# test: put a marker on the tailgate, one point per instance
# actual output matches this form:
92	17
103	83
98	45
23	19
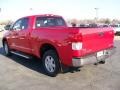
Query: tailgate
96	39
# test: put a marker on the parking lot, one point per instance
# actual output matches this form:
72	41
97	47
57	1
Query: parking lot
17	73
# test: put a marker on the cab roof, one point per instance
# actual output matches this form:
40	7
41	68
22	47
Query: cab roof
43	15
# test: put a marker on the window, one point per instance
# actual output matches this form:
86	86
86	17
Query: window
49	21
21	24
24	24
17	25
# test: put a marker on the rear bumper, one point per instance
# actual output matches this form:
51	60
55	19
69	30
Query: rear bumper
91	59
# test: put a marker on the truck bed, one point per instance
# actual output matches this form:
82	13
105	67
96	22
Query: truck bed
94	39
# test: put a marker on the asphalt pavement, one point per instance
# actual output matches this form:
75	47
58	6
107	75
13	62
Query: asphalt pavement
17	73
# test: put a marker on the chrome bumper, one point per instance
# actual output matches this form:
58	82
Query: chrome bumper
91	59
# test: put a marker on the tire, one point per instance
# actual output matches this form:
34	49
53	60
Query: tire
51	63
6	49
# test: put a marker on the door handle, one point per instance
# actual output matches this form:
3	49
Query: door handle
22	36
16	34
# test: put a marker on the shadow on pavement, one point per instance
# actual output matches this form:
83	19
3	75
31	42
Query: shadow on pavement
34	64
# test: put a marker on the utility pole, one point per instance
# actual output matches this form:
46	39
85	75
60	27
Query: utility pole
96	11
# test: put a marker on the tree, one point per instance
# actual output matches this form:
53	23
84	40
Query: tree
107	21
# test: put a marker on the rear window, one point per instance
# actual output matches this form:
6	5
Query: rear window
49	21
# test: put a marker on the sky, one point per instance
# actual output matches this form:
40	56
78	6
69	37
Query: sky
79	9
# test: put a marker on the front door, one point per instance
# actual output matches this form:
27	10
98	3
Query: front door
20	35
24	36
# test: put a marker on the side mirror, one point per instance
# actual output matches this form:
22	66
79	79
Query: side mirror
7	27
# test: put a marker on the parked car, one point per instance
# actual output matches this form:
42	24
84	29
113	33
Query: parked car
116	29
7	27
84	25
48	38
93	25
1	28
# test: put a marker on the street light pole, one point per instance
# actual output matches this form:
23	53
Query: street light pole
96	11
30	11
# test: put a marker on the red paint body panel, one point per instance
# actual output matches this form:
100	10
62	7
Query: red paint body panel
61	37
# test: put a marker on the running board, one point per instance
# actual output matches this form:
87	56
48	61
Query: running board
19	54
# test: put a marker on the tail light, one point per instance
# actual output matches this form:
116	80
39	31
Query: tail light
77	45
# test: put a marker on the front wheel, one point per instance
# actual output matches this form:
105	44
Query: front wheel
6	49
51	63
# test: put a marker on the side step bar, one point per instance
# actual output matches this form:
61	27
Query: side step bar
19	54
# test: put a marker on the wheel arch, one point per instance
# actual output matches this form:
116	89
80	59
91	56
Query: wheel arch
45	47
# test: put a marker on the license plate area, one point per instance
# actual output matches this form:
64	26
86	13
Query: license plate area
100	53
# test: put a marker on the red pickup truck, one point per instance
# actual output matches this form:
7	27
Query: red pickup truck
48	38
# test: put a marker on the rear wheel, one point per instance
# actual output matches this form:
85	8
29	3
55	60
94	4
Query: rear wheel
6	49
51	63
